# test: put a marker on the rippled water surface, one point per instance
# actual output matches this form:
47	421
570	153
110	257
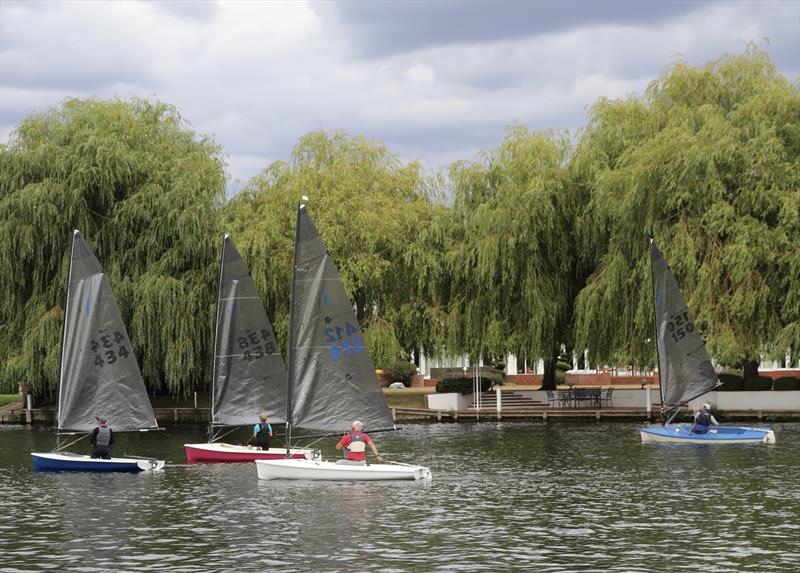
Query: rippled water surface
509	496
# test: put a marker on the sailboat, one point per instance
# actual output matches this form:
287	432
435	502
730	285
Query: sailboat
331	378
99	374
684	369
248	372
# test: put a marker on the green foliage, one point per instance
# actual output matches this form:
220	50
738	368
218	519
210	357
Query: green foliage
401	372
758	383
9	399
564	366
786	383
143	188
731	381
709	159
368	207
509	261
462	385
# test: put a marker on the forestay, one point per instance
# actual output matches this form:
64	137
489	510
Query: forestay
332	374
99	373
685	370
249	373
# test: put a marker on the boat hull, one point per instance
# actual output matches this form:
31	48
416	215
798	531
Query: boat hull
679	433
53	462
218	452
331	471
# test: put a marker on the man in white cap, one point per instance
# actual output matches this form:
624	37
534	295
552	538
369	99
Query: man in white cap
703	419
356	443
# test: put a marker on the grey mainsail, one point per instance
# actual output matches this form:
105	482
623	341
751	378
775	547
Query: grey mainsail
99	373
249	374
331	372
685	370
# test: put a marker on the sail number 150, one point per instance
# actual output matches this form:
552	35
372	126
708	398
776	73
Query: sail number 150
680	325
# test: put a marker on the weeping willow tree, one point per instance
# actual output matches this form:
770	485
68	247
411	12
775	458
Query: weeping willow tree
512	263
145	191
368	207
709	159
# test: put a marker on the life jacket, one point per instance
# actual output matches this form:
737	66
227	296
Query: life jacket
263	430
103	438
357	442
703	418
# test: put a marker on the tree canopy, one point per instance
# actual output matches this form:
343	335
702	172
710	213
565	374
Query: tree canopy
537	244
709	160
368	207
144	189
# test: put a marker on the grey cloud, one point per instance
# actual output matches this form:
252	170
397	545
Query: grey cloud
378	29
193	10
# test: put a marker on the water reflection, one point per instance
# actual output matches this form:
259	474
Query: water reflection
505	496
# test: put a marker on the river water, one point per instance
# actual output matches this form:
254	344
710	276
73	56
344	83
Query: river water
506	496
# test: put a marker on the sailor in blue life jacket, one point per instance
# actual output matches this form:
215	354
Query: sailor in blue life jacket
102	437
703	419
262	432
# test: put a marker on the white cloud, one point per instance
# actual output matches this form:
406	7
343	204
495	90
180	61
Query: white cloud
259	75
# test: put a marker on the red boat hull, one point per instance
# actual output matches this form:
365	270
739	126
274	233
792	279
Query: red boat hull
226	453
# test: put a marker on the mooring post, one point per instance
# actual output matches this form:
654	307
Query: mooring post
499	403
28	413
438	415
174	414
394	414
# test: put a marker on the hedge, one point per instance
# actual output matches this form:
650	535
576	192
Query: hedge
786	383
758	383
401	372
561	365
463	385
731	381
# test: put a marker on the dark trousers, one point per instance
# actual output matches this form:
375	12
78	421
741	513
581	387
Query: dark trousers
103	452
262	443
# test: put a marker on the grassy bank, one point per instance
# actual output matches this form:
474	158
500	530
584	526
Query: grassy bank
407	397
9	398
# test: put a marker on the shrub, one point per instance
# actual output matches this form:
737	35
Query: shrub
758	383
401	372
461	385
731	381
786	383
563	366
559	377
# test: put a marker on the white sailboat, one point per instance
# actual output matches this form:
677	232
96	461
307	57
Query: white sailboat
99	373
331	378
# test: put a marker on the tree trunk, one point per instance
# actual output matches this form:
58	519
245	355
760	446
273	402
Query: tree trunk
549	379
749	369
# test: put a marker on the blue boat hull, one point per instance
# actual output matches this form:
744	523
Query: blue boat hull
680	433
76	463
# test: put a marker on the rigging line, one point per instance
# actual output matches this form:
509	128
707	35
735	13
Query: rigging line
59	448
219	436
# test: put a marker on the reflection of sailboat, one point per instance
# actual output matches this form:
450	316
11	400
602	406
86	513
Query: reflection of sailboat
684	368
248	374
99	374
331	376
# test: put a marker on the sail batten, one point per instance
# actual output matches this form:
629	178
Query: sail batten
99	374
334	380
249	373
685	369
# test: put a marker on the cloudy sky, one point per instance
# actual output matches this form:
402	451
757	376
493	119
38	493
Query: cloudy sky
435	81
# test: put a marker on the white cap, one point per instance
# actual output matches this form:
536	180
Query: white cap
706	406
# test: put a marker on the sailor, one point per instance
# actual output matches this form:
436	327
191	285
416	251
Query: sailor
102	437
356	443
262	432
703	419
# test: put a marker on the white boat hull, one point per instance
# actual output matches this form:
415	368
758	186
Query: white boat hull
330	471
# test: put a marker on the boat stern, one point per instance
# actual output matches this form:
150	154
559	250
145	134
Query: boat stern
150	465
769	437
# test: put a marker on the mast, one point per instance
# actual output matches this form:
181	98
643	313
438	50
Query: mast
216	332
64	330
290	347
655	328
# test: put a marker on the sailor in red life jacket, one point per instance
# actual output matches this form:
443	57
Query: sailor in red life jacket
356	443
